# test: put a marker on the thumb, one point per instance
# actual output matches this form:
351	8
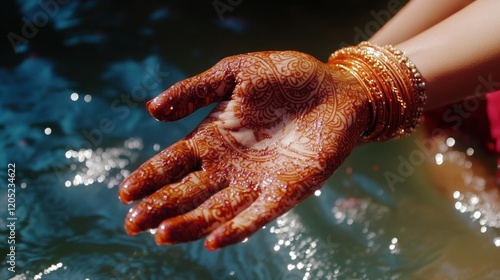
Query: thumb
188	95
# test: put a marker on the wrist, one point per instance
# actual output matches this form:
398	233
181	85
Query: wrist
392	84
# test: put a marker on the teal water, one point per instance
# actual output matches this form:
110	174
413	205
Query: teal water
73	122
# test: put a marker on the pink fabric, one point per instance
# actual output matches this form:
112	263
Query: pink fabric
493	110
473	125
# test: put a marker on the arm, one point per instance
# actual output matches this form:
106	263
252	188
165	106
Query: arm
458	51
416	17
430	38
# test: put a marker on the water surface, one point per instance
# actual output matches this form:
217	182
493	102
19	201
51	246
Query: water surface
73	122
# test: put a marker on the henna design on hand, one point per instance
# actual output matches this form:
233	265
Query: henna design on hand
284	123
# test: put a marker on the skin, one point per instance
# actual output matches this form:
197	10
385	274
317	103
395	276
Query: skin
284	123
453	54
416	17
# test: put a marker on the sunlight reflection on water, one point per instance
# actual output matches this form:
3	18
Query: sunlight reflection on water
102	165
90	63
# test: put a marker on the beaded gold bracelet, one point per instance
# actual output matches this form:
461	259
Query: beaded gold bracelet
395	88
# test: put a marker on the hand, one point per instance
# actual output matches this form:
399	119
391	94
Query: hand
284	123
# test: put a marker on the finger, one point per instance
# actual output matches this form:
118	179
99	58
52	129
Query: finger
172	200
272	203
167	166
195	224
188	95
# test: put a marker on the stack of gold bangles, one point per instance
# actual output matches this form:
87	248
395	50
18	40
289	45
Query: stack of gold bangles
395	88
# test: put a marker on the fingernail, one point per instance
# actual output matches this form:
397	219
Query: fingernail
162	236
133	224
123	194
211	244
153	108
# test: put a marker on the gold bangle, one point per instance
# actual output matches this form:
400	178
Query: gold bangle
395	88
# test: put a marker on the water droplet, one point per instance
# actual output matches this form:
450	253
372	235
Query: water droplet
74	96
496	241
477	215
439	159
450	142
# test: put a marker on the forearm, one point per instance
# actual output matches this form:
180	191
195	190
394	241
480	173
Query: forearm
460	56
416	17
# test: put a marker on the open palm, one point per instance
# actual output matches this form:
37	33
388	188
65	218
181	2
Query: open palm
284	123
